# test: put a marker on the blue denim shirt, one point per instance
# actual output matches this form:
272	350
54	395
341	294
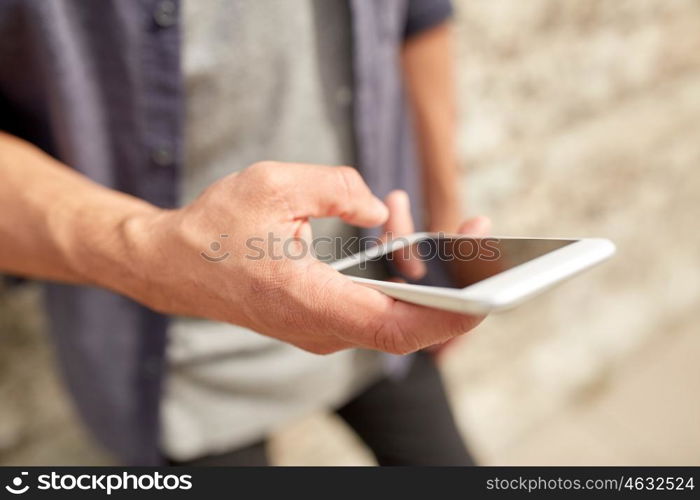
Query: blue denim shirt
98	85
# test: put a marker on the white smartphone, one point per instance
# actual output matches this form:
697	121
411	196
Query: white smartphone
471	275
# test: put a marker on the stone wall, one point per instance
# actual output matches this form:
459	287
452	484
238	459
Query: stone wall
578	118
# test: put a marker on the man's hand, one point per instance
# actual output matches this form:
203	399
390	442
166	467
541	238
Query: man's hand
279	289
429	73
57	224
398	224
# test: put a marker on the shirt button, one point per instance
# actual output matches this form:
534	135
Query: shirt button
163	157
165	14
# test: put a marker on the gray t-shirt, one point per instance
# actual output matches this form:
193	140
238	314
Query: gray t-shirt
265	80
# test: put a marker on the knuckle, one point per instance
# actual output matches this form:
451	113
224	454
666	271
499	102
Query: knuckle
349	185
383	338
324	345
313	348
262	166
351	174
389	337
265	175
323	350
469	323
403	349
350	180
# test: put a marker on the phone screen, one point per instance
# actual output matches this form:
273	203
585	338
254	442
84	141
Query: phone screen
452	262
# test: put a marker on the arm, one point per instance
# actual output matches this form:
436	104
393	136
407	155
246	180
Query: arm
57	224
428	64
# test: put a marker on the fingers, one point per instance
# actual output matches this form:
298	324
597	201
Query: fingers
416	327
325	345
400	223
476	226
365	317
319	191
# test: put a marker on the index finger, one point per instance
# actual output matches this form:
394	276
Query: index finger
324	191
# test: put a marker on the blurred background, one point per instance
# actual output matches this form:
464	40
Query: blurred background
578	118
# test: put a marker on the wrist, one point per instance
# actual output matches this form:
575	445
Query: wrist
106	248
158	258
135	260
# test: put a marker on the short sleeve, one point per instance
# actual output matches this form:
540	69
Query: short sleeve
425	14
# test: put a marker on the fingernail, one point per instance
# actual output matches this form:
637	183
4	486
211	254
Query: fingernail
403	197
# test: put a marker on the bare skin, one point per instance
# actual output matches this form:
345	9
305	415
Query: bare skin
428	67
429	73
56	224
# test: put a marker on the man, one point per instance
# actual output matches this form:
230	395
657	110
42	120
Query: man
149	102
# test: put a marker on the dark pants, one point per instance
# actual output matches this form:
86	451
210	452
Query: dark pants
404	422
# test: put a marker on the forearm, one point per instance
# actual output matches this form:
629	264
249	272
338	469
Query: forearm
57	224
428	64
